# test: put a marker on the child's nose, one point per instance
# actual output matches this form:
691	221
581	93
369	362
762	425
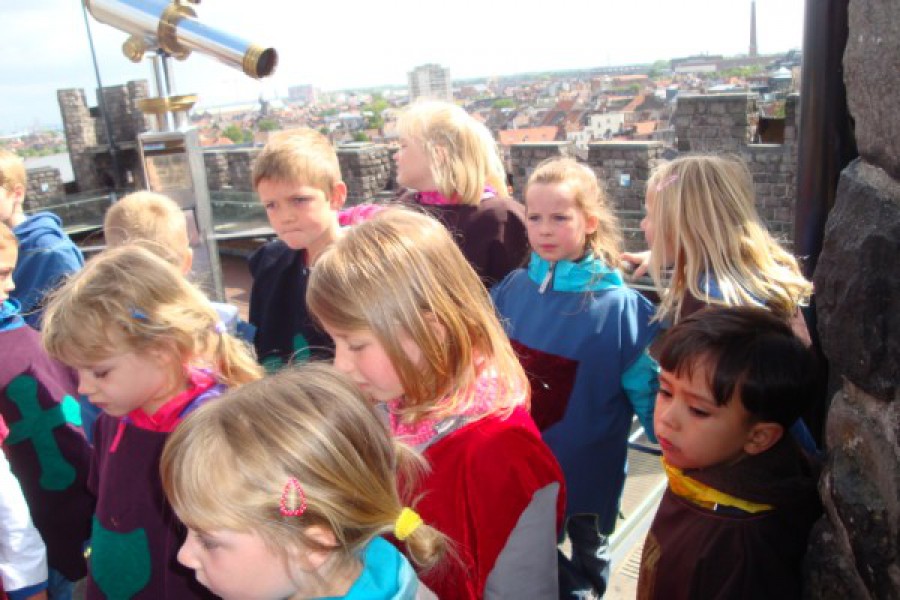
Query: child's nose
666	415
186	554
84	385
342	362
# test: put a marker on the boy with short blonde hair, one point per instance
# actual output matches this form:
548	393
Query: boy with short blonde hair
298	179
742	497
157	223
46	254
150	217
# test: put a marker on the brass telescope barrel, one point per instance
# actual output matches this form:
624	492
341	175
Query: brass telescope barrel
174	28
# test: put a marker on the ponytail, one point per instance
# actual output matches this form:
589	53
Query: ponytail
234	362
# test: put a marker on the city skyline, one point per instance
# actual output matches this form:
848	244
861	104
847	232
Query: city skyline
362	47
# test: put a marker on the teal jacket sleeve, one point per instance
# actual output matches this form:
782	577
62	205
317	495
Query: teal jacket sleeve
641	382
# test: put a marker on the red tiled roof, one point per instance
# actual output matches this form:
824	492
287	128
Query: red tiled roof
644	127
632	106
531	134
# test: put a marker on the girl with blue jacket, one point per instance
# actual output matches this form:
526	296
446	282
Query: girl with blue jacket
582	337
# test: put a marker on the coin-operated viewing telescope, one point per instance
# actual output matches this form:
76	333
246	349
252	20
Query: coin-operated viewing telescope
171	156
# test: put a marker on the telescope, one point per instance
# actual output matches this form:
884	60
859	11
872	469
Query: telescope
171	156
173	28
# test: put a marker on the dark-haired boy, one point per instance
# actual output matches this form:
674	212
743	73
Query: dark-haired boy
742	498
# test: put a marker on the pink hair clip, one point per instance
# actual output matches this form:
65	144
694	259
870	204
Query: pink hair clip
664	184
293	494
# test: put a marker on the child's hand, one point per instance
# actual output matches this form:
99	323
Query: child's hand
41	595
640	261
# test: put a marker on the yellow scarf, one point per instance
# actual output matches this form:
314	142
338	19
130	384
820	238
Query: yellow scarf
705	496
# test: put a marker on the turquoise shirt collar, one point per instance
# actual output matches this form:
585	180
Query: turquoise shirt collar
586	275
10	317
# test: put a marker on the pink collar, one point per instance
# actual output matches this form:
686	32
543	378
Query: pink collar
422	431
434	197
169	414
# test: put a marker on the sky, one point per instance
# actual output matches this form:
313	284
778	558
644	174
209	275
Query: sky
353	44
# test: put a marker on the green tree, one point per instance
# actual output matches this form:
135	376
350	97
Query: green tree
504	103
235	134
268	125
360	136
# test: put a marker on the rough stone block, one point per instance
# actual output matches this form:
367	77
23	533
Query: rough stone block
872	78
829	572
858	296
860	488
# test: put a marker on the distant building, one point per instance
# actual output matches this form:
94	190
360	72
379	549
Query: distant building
302	93
430	81
696	64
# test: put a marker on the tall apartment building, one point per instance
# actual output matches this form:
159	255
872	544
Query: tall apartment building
430	81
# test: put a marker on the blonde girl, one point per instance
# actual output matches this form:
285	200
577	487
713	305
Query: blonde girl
286	485
415	330
149	349
582	336
451	165
702	223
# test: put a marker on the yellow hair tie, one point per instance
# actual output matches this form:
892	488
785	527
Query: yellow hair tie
408	521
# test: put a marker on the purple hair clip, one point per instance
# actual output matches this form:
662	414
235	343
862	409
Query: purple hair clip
664	184
293	499
220	327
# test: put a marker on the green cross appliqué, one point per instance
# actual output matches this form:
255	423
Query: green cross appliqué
37	424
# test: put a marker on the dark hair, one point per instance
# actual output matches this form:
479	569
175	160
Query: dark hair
750	353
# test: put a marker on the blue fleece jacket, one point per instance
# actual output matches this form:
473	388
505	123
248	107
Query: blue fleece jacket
46	255
582	336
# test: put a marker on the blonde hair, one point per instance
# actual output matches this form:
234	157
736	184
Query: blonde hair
462	153
299	155
129	299
704	212
151	218
590	199
402	273
12	170
227	466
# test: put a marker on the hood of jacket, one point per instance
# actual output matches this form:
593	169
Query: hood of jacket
10	315
386	574
586	275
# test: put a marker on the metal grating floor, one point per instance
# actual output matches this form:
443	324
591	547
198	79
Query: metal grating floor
644	486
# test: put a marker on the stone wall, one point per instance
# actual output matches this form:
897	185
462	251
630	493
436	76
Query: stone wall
855	549
81	134
366	169
86	134
126	120
715	123
725	123
45	186
526	156
774	170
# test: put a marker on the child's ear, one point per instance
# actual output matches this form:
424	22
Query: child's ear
338	195
309	559
436	325
188	261
18	193
591	224
762	436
